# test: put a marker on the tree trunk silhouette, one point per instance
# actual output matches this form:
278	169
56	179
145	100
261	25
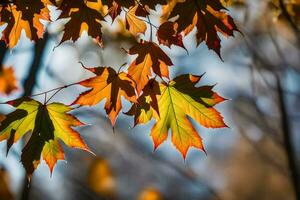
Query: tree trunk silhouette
28	85
288	140
3	50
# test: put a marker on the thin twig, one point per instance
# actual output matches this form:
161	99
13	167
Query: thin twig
288	141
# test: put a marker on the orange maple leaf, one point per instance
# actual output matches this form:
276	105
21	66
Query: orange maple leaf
23	15
2	117
84	15
8	81
133	23
109	85
209	19
129	3
122	3
150	56
147	104
168	35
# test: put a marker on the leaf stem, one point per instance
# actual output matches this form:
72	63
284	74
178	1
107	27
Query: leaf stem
58	89
121	67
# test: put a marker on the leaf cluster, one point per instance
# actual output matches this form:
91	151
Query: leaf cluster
172	103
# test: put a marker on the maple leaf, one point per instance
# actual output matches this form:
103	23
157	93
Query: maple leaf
129	3
233	2
138	10
167	9
84	15
109	85
114	11
114	6
133	23
150	56
144	109
209	19
179	101
101	179
141	11
150	193
23	15
167	34
8	82
122	3
152	4
2	117
48	124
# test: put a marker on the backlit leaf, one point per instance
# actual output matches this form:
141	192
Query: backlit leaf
101	179
150	58
179	101
150	193
209	19
128	3
109	85
133	23
23	15
8	82
2	117
48	125
147	104
122	3
152	4
168	35
84	15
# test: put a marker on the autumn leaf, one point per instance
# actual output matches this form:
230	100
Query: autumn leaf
179	102
48	125
115	7
2	117
129	3
168	35
8	81
84	15
233	2
150	193
292	8
5	182
109	85
147	104
209	19
167	9
122	3
133	23
101	179
150	56
152	4
23	15
114	11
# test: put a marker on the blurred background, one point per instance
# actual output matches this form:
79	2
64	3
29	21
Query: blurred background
256	158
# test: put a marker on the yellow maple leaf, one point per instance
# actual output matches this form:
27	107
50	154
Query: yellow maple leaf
133	23
179	101
48	124
8	82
